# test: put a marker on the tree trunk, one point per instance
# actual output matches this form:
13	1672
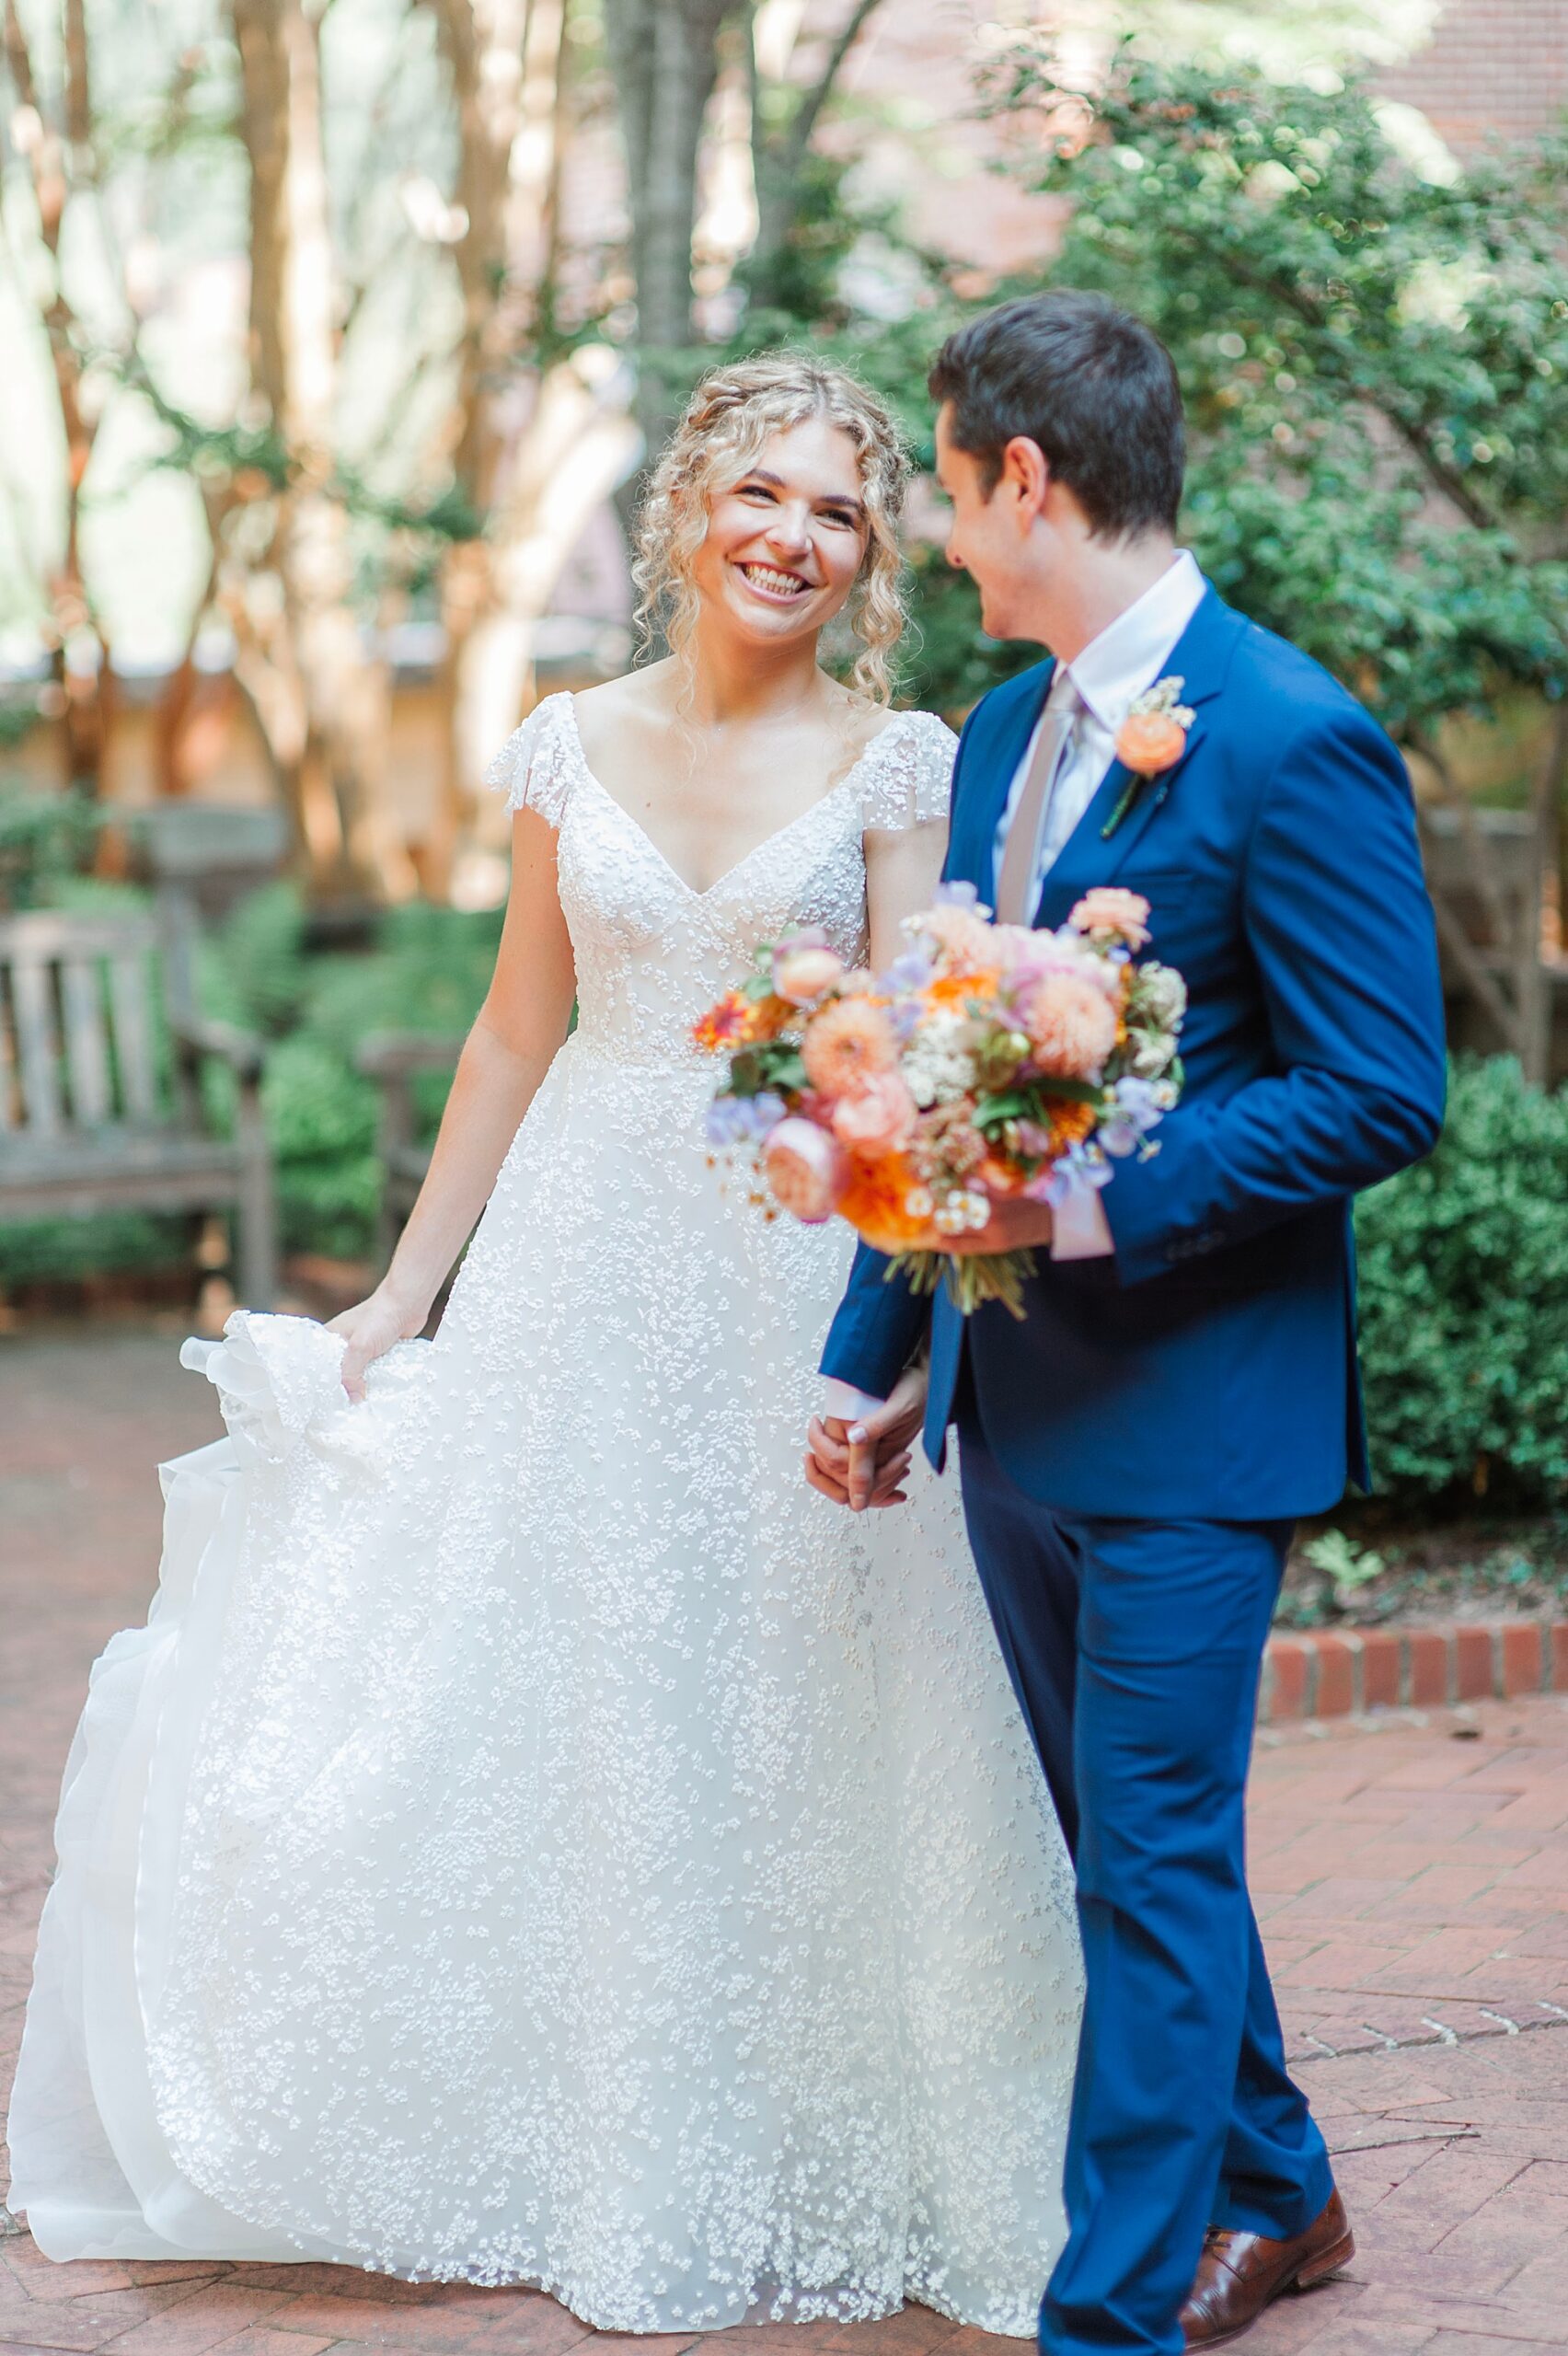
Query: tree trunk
776	161
575	449
321	701
537	484
85	686
665	56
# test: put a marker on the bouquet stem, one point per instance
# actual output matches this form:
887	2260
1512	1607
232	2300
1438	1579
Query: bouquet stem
971	1278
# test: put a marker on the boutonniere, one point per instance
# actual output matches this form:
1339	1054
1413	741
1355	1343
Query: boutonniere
1150	740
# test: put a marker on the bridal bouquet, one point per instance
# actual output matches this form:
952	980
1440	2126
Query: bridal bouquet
990	1061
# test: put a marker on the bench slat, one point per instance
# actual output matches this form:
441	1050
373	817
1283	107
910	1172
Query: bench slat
36	1044
133	1037
11	1081
42	934
87	1051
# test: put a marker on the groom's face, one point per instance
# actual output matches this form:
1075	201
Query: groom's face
993	533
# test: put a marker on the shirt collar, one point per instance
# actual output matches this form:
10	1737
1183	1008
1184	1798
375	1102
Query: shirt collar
1130	652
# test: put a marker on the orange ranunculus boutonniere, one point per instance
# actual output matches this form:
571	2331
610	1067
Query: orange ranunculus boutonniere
1150	740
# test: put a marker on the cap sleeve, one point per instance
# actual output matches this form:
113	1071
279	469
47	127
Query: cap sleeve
534	768
906	773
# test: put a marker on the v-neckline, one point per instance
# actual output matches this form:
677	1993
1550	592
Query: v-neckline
780	834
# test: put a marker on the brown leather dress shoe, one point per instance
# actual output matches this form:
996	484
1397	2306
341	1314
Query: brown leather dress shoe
1239	2274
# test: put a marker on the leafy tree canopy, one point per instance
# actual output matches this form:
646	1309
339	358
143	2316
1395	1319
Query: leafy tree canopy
1375	361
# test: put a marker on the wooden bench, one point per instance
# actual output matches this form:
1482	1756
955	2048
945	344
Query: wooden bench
86	1124
392	1059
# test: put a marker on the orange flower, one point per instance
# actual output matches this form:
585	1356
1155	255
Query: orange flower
1149	742
740	1022
874	1204
847	1041
1070	1124
728	1024
768	1017
957	989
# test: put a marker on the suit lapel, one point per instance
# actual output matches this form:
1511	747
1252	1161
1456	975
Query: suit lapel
994	761
1201	659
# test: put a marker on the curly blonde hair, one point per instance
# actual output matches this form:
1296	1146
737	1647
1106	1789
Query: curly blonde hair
727	421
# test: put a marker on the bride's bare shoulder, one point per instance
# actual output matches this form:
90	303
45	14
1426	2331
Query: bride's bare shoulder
621	709
867	720
640	694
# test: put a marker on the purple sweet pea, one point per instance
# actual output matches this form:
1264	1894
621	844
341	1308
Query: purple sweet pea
1081	1170
744	1120
721	1121
1135	1113
912	971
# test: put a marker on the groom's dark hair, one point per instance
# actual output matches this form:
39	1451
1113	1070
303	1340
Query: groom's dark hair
1092	385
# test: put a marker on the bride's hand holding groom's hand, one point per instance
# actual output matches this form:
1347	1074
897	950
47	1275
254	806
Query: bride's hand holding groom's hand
864	1463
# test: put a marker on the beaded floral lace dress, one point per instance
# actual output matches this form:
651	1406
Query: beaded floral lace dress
536	1839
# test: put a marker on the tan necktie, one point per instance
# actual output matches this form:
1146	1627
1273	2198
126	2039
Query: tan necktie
1017	887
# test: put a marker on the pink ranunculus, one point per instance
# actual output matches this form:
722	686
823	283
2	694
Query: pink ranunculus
878	1117
1110	910
803	974
962	936
1014	947
807	1168
845	1041
1072	1025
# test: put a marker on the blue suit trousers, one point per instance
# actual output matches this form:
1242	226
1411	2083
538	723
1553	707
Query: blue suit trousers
1134	1648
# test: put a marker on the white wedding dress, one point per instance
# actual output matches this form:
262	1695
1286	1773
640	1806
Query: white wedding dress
536	1839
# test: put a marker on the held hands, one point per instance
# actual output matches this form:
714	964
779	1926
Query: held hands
863	1465
370	1330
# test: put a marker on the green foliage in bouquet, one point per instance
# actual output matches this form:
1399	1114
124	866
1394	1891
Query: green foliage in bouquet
1464	1302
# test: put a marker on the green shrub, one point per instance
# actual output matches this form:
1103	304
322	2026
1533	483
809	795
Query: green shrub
43	839
1464	1301
428	972
253	967
59	1249
321	1120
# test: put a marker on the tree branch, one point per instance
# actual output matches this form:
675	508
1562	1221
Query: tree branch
18	60
1458	943
78	81
1483	868
804	122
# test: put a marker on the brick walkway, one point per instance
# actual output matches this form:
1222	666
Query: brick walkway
1412	1873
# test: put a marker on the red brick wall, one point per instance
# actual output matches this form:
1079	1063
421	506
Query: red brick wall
1491	67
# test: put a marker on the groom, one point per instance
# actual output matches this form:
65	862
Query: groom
1184	1385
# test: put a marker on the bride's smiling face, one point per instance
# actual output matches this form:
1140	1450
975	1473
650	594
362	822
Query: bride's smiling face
786	541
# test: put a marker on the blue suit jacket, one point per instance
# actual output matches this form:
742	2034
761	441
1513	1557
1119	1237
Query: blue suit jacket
1208	1368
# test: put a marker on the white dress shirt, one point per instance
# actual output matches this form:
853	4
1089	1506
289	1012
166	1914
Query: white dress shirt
1127	657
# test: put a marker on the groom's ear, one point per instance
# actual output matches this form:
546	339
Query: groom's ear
1025	479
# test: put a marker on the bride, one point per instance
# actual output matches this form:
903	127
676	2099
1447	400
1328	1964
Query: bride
534	1839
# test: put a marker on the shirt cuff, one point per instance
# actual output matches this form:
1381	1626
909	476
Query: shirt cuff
848	1404
1080	1230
